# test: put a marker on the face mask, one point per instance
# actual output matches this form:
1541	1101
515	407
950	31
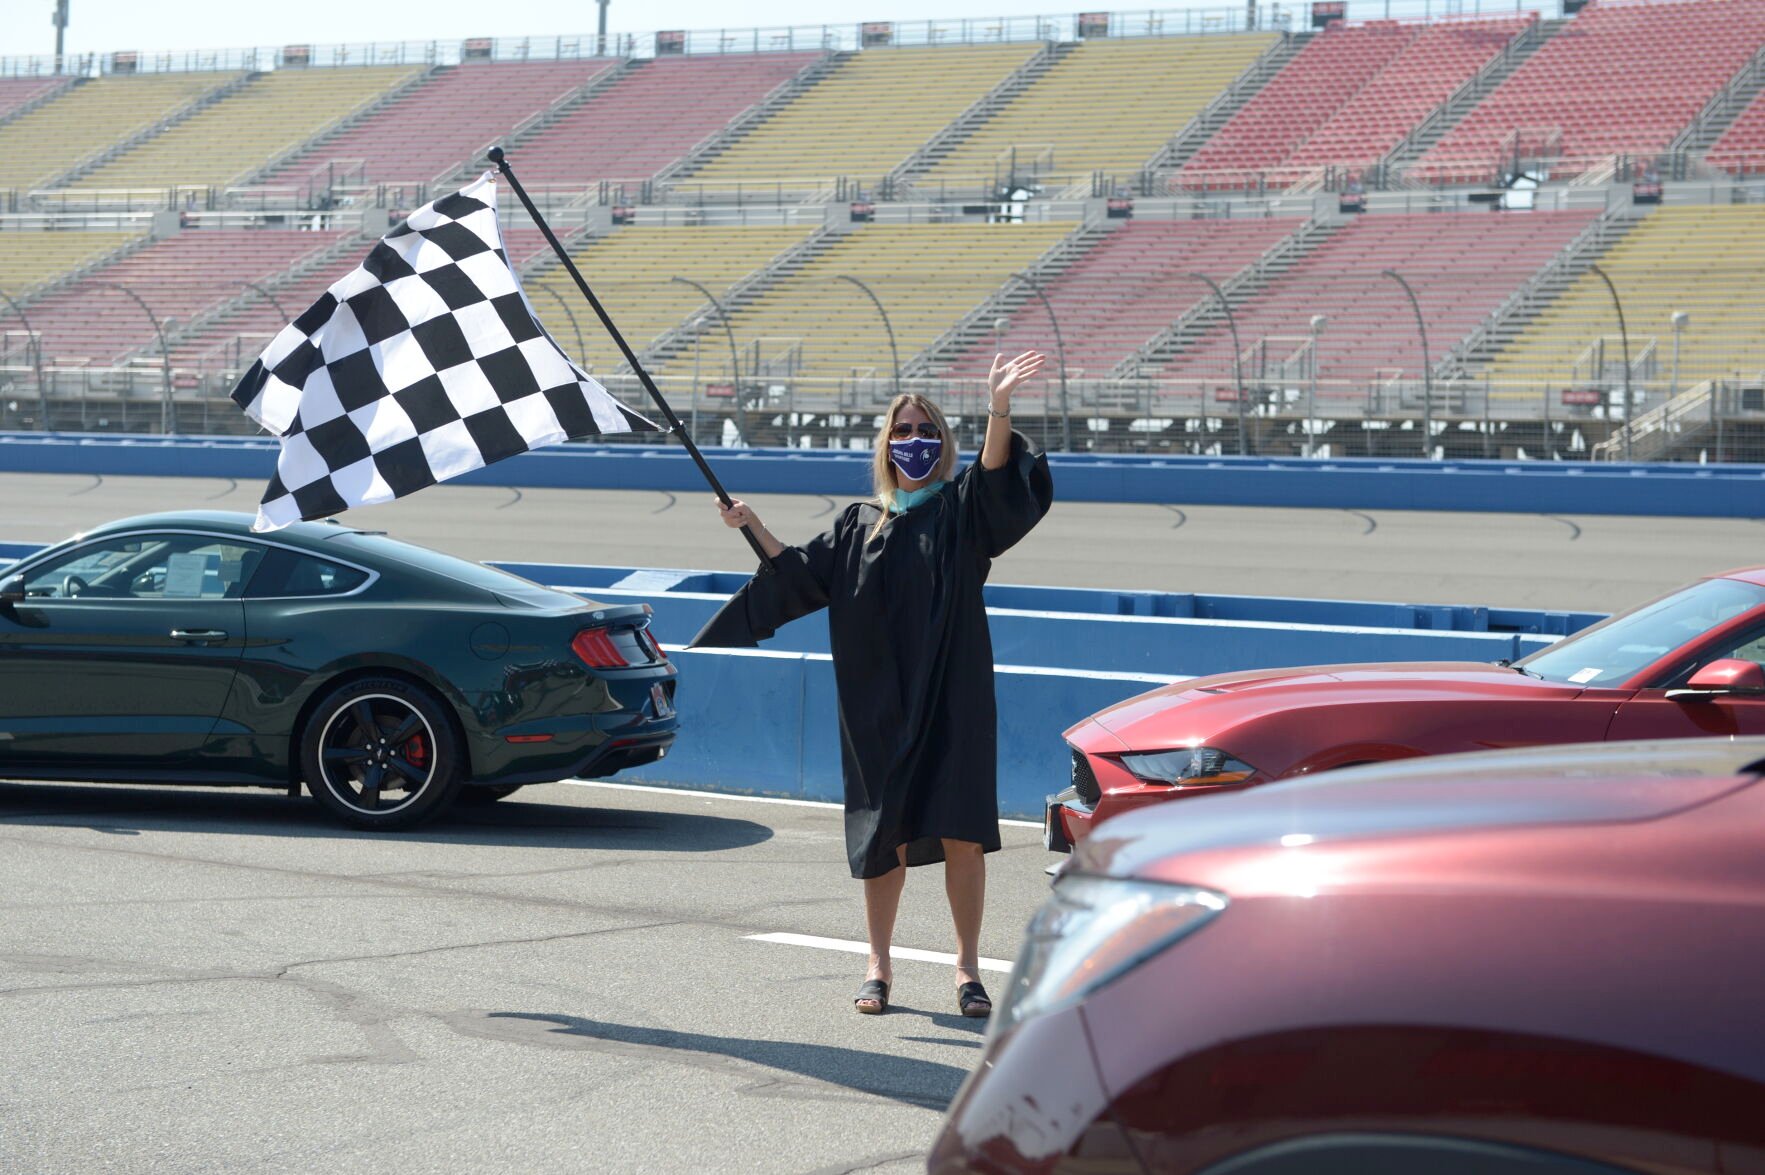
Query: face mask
916	458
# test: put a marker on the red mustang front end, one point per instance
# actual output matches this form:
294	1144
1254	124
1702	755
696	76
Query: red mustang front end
1690	663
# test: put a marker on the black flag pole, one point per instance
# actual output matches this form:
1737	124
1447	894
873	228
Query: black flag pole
674	426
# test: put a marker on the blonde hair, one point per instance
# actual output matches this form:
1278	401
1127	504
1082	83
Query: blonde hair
882	471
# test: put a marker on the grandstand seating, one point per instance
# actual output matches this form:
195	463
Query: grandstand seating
926	276
1461	267
273	113
1619	78
1105	106
1740	150
28	259
16	92
629	270
178	277
92	116
866	116
1129	287
231	341
456	112
653	116
1706	261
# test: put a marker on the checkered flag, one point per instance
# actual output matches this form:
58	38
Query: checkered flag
424	363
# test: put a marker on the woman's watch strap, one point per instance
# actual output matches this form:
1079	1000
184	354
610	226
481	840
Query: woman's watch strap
990	411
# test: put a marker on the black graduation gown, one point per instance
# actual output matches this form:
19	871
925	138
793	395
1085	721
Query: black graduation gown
911	653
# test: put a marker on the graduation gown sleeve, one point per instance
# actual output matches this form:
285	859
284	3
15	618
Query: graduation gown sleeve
795	586
1003	505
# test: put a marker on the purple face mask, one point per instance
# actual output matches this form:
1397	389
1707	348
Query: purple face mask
916	458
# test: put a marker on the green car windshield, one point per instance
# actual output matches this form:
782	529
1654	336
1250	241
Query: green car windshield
1614	650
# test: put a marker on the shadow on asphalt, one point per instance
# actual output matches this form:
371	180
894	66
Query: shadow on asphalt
124	810
901	1079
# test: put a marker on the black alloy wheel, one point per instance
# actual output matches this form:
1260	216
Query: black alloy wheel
380	753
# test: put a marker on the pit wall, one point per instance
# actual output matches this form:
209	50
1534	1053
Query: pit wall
1698	491
764	721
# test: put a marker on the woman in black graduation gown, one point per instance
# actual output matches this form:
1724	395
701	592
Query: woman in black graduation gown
901	578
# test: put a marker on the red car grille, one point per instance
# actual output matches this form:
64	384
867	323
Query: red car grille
1084	780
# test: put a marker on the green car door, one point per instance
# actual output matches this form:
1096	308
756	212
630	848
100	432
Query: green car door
123	647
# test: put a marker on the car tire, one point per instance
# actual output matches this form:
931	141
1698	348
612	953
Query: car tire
488	793
381	735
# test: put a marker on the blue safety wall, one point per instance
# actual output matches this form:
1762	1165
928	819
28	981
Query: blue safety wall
1712	491
763	721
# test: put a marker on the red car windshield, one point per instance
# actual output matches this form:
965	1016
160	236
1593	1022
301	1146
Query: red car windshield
1615	649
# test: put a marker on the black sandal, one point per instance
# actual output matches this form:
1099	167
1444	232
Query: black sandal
872	989
973	1001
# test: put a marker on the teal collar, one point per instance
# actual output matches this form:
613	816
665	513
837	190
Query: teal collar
902	501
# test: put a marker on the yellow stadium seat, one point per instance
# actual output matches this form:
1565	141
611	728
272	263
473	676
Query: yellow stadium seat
91	116
28	259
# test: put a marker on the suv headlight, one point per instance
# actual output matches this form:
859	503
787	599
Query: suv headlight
1189	767
1092	930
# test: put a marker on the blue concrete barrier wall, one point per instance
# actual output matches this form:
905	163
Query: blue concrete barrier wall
1712	491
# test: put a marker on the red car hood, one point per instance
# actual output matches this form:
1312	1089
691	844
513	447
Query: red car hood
1203	706
1247	840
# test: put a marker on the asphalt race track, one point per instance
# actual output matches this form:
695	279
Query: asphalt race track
1599	563
198	980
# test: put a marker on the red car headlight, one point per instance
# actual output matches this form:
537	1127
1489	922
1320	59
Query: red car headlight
1189	767
1092	930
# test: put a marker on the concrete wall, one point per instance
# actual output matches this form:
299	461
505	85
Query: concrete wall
1710	491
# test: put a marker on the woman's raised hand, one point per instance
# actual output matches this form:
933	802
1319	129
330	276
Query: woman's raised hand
737	514
1008	375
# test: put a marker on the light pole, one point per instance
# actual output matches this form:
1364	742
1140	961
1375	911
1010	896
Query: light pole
1318	323
33	347
894	353
1680	321
1427	366
1237	348
735	355
1624	338
1059	355
165	353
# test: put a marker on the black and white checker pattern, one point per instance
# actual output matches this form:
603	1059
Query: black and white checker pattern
425	362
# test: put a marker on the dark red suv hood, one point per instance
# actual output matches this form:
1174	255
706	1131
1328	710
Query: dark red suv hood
1212	840
1181	713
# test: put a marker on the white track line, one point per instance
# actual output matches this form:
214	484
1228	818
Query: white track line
717	795
859	948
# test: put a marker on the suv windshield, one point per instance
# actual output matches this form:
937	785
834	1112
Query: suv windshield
1614	650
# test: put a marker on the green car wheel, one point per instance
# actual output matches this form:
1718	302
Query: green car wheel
380	753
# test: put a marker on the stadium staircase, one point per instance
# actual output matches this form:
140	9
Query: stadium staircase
1675	429
1217	113
1462	101
1730	131
20	96
104	119
896	185
1470	355
712	146
1242	287
970	332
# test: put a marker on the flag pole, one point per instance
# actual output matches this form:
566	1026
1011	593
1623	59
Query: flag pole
497	157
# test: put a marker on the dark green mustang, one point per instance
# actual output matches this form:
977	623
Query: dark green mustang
390	679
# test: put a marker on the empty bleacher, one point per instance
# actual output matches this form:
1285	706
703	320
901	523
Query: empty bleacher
457	113
178	278
19	92
1708	262
28	259
273	113
91	117
1104	106
1132	285
630	269
865	117
653	116
926	276
1740	150
1619	78
1461	267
